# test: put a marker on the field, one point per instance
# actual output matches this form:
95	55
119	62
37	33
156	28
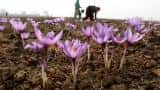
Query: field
20	69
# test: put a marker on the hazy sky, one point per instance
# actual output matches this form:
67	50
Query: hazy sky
148	9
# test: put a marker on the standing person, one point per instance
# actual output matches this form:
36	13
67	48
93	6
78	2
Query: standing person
91	13
77	10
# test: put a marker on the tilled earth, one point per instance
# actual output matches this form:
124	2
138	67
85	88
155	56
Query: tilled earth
19	68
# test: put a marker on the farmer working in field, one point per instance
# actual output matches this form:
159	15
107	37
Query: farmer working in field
91	13
77	10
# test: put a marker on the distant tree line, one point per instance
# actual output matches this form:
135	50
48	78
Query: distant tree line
4	12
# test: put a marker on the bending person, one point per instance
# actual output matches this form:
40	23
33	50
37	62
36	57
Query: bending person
91	13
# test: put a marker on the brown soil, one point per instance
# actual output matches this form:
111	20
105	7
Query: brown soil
19	69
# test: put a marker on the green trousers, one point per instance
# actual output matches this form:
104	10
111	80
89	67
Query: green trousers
77	13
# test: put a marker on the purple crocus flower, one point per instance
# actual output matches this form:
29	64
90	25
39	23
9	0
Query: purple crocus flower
71	26
3	20
58	20
134	21
49	39
24	35
139	27
102	33
88	31
142	29
50	34
132	37
35	46
15	19
35	24
2	28
60	44
119	39
74	49
18	26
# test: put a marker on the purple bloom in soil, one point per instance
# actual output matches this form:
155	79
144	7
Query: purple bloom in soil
3	20
35	24
18	26
88	30
49	39
24	35
2	28
119	39
132	37
50	34
102	33
74	49
15	19
71	26
142	29
134	21
35	46
57	20
60	44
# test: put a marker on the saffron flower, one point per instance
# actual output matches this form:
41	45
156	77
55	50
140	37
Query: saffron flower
74	49
49	39
133	37
138	25
46	41
58	20
24	35
3	20
35	46
143	29
71	26
119	38
18	26
88	31
134	21
2	28
35	24
102	34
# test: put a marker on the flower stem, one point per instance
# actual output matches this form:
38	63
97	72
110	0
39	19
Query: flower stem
110	60
89	55
123	57
22	40
106	56
74	73
44	67
75	66
23	43
44	76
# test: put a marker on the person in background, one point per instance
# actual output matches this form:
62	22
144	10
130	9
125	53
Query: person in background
77	10
91	13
